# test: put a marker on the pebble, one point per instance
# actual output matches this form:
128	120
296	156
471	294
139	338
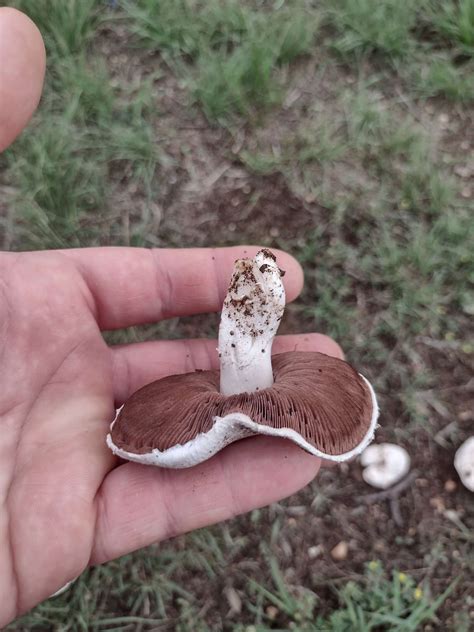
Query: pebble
437	503
443	120
463	171
233	597
272	612
340	551
450	486
315	551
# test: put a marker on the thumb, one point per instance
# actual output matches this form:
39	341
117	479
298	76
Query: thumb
22	68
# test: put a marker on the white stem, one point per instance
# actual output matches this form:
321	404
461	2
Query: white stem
250	318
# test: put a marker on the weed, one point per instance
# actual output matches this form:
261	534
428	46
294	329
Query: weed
237	83
187	27
235	51
371	26
377	602
86	134
453	21
56	184
441	77
67	27
85	82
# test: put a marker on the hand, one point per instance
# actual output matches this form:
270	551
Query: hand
66	501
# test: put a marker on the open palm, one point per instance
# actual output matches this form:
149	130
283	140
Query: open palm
66	502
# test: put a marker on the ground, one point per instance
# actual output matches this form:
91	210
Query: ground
341	131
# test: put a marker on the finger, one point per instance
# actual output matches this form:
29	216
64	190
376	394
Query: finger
130	286
162	503
135	365
22	68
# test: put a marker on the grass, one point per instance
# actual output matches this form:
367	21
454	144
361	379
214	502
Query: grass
346	105
453	22
57	187
67	27
376	600
443	78
229	54
366	27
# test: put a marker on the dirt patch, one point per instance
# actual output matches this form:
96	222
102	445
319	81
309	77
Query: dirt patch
233	206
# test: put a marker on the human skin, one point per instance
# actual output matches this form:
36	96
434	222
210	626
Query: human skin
66	501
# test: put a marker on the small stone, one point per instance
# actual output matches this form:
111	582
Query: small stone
443	119
286	548
466	415
438	503
340	551
452	515
272	612
296	510
463	171
466	192
315	551
450	486
422	482
233	597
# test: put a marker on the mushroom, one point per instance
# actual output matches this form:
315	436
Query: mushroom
384	464
319	402
464	463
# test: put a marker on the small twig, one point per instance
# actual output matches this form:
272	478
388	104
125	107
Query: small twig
441	435
439	345
392	493
396	513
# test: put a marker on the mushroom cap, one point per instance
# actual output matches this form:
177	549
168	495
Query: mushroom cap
319	402
464	463
384	464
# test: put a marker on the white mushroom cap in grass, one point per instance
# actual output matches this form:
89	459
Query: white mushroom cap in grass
464	463
384	464
319	402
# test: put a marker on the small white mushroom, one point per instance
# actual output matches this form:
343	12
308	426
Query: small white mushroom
464	463
384	464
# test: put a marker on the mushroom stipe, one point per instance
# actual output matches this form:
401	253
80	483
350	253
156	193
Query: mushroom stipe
319	402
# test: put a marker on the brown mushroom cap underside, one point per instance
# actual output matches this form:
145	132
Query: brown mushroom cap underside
322	398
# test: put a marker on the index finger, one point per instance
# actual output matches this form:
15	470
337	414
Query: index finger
132	286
